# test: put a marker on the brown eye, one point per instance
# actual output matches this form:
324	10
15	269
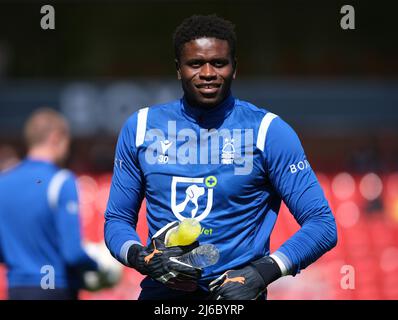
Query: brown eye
195	64
220	63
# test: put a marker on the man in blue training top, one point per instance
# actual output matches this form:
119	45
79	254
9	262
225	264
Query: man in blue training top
40	240
223	161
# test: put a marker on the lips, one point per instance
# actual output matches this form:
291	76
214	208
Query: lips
208	88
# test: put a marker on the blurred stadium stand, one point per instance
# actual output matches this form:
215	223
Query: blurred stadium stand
368	240
337	106
355	119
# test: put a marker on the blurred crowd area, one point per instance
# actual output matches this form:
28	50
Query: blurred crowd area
366	211
348	131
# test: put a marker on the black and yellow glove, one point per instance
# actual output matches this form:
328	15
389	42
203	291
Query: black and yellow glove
247	283
160	263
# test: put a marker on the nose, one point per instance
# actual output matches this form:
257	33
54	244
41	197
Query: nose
207	72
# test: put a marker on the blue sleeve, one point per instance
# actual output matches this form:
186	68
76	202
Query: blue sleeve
126	195
294	180
68	228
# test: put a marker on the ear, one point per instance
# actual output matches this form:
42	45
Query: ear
235	68
57	136
178	69
53	137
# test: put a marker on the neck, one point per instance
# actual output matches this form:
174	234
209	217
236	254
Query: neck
42	153
197	105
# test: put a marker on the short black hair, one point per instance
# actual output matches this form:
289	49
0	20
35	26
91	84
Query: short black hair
201	26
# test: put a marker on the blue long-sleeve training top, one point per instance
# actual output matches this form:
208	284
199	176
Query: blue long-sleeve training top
230	167
39	226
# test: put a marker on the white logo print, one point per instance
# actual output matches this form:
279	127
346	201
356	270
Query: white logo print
194	189
187	146
165	145
228	152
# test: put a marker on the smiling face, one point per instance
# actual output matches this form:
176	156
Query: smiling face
206	69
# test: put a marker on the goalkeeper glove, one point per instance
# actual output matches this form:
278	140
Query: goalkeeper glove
109	270
247	283
160	263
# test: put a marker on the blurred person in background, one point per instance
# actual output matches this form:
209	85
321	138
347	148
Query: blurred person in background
40	239
242	207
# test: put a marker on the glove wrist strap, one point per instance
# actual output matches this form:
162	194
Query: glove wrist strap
268	269
132	255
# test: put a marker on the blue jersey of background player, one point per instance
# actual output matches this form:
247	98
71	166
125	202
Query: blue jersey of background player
224	161
40	241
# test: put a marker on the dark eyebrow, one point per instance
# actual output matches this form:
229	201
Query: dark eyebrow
212	60
224	60
195	60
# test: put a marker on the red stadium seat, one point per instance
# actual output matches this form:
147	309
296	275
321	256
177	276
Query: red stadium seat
3	283
370	245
